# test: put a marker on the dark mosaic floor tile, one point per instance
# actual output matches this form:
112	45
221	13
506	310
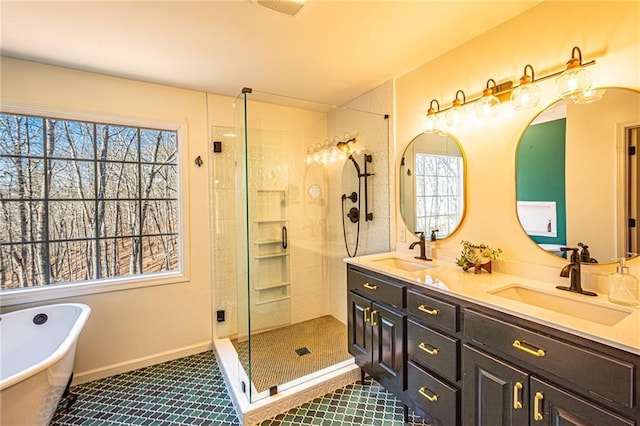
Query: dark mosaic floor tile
191	391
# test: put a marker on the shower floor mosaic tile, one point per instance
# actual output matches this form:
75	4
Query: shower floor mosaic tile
191	391
274	358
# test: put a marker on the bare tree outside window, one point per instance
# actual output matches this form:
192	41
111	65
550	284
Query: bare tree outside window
85	201
439	199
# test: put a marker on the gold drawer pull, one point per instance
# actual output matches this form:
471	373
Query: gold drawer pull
366	314
373	321
423	392
516	396
427	310
537	352
537	415
424	347
370	286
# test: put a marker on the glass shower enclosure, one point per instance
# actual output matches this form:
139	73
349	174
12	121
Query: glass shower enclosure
278	188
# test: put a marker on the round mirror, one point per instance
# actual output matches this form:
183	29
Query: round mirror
432	182
577	176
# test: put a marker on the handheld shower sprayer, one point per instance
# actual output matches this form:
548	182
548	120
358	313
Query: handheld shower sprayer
354	212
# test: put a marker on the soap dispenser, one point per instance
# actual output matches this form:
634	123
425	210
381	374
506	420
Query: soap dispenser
623	287
432	240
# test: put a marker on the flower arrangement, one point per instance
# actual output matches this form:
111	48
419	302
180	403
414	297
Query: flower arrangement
477	256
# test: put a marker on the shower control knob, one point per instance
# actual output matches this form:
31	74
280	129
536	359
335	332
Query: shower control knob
354	215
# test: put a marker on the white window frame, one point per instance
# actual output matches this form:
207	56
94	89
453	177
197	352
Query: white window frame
105	285
460	205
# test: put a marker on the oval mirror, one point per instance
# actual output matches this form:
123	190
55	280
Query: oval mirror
432	183
576	182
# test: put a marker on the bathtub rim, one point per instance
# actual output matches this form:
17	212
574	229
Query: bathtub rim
61	350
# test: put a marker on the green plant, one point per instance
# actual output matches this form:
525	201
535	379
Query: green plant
476	255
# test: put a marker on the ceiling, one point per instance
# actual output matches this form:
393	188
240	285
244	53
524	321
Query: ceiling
330	52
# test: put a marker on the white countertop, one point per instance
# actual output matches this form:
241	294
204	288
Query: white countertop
447	278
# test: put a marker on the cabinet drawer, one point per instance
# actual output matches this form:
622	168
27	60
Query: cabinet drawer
433	399
432	311
433	350
377	289
598	374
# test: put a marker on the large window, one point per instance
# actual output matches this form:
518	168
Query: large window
84	201
439	200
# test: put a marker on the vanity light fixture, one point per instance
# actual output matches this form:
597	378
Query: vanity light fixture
456	116
432	120
576	79
488	105
574	82
332	150
527	94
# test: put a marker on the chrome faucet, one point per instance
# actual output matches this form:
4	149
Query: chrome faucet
572	271
421	243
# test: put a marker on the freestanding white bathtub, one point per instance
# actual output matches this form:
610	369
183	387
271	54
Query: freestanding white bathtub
38	347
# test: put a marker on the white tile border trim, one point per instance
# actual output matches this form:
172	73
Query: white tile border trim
290	395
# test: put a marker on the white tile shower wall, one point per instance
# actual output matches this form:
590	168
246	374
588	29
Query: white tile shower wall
317	273
375	135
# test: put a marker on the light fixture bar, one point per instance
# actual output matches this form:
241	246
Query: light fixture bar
503	90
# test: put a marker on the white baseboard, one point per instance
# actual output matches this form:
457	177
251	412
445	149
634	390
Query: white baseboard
134	364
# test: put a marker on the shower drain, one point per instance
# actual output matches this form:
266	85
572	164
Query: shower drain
302	351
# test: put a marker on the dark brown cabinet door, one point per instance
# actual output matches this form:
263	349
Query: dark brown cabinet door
554	407
359	329
494	392
389	347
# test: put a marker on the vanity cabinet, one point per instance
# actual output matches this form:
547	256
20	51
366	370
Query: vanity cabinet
491	381
456	362
499	394
376	331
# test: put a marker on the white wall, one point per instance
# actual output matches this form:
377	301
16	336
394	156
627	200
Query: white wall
132	328
542	37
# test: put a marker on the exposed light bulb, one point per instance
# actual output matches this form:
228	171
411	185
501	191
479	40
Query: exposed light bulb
457	115
588	96
488	105
575	78
431	122
527	94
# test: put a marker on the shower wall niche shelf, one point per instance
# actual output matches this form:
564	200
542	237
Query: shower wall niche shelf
270	252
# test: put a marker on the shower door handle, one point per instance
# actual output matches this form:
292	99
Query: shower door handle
284	238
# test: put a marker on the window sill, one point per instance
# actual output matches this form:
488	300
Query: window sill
63	291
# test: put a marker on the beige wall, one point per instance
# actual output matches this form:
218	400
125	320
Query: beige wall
131	328
542	37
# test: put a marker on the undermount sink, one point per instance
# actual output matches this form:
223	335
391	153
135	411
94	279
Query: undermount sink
569	304
403	264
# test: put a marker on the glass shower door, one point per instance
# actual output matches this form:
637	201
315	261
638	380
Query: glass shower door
265	285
